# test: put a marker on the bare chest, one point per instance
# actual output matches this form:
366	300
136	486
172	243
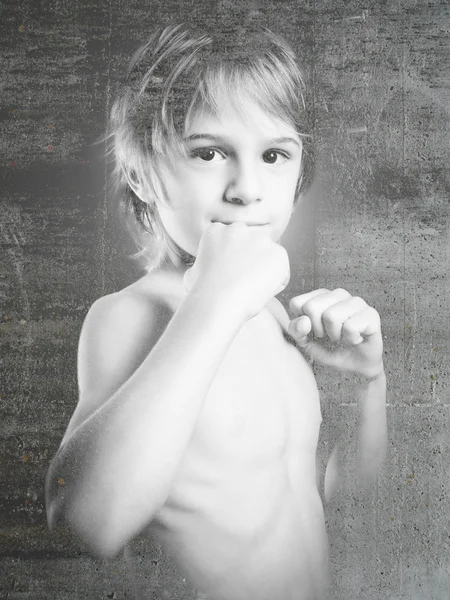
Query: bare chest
247	479
263	400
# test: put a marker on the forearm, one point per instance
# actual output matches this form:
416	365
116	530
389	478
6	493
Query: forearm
119	465
372	428
358	456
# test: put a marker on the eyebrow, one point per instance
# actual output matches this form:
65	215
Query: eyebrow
215	137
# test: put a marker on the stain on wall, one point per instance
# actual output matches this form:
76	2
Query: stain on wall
376	222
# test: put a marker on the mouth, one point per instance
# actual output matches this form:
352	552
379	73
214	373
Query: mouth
249	224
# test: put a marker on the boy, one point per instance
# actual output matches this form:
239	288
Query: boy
197	418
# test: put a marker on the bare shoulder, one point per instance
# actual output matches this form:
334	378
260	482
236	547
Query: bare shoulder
119	331
117	324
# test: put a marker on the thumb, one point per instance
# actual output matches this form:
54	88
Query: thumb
299	329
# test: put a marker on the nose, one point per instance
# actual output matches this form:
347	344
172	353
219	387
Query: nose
244	185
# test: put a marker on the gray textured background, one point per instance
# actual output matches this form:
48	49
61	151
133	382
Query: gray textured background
376	223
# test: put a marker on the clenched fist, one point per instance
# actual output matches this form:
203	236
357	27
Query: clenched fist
340	330
239	265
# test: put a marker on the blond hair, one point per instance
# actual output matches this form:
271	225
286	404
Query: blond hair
175	73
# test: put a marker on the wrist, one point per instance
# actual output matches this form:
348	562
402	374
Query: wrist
372	377
216	307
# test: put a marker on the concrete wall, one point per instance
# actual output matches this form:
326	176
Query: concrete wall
376	223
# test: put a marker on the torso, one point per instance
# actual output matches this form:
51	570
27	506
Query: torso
244	519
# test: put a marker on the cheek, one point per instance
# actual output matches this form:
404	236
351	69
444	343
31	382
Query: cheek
194	190
282	204
188	220
282	194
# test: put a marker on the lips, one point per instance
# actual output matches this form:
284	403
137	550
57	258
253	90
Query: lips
249	224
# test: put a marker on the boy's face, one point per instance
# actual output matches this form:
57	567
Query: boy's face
237	169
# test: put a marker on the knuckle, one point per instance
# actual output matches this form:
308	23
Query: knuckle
214	229
231	230
328	316
309	308
349	327
287	275
342	292
294	304
216	225
276	251
375	314
283	260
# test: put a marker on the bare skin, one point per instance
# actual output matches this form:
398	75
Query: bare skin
236	502
244	518
195	416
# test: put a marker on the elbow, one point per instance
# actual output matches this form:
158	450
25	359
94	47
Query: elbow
55	499
102	539
102	518
53	514
102	545
103	536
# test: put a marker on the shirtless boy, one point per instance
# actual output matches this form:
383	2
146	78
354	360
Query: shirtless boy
198	418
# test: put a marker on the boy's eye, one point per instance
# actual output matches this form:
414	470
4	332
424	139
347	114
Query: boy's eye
274	156
214	155
208	154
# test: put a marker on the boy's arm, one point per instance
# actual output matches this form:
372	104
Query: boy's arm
372	428
366	453
118	460
347	337
116	464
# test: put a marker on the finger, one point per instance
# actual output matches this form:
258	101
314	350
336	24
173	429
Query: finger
360	326
299	329
338	313
213	227
296	303
316	306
